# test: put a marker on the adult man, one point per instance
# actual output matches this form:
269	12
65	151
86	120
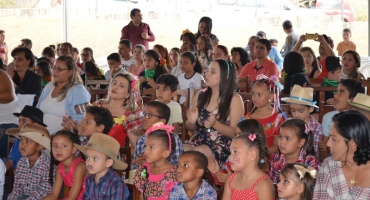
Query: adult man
137	31
262	64
125	51
274	54
28	44
291	39
66	49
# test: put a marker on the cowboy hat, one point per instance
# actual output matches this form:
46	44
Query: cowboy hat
35	132
104	144
361	101
33	113
301	95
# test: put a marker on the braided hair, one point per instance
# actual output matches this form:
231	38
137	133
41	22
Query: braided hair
53	162
258	143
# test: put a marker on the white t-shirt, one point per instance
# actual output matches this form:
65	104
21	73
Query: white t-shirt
109	77
176	113
128	63
53	113
193	82
7	110
2	178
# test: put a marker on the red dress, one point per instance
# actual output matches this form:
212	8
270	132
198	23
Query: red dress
247	194
68	178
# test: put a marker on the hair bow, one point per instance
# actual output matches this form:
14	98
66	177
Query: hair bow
163	62
276	82
252	137
133	84
186	31
261	76
161	126
302	171
307	129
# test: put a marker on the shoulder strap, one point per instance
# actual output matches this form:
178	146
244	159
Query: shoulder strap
258	180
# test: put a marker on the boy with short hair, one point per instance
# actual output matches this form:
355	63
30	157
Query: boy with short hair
333	76
166	89
346	44
155	112
347	90
32	177
301	106
191	168
115	66
101	159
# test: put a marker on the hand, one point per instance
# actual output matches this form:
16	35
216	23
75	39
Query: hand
142	79
68	123
222	177
320	38
150	82
211	121
302	38
192	115
139	160
144	35
330	101
213	166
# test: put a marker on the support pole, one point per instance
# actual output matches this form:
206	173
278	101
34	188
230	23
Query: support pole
65	23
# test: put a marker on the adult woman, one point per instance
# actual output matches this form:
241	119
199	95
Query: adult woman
311	64
163	52
49	52
138	66
205	28
75	55
221	52
345	174
43	69
86	55
123	101
239	57
3	48
92	72
25	81
63	94
294	72
215	112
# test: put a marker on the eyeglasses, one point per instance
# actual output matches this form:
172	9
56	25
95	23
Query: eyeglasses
150	115
58	69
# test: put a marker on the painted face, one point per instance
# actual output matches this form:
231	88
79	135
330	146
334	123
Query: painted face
187	169
154	149
219	54
300	112
260	50
138	53
289	187
124	51
118	88
308	58
203	29
150	119
86	56
20	62
174	55
88	126
201	44
338	148
252	45
97	163
260	95
65	50
235	57
213	75
149	62
28	147
348	62
62	148
23	121
288	141
60	72
238	155
163	93
341	98
186	65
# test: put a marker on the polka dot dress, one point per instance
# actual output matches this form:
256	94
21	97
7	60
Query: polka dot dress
247	194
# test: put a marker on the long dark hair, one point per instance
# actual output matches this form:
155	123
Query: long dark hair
159	69
163	52
208	22
45	68
244	57
208	45
315	65
193	59
191	37
354	73
258	143
226	90
91	68
90	51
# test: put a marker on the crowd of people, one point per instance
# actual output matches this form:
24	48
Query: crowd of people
66	141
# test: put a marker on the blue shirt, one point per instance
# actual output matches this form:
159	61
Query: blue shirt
140	145
110	186
205	192
14	154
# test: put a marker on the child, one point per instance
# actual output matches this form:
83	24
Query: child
188	37
274	42
248	181
166	89
346	92
101	159
294	74
296	182
301	104
351	62
295	145
154	67
96	120
115	66
156	177
29	114
71	171
187	47
155	112
333	76
192	77
247	126
361	103
204	47
32	177
264	91
192	166
346	44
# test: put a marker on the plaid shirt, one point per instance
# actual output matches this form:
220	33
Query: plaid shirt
331	183
278	162
110	186
34	181
316	128
205	191
140	145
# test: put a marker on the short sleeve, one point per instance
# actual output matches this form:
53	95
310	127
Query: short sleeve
176	113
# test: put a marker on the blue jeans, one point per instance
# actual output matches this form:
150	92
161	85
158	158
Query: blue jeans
4	138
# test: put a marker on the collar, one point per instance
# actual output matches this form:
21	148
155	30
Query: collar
107	176
200	191
40	159
301	156
132	24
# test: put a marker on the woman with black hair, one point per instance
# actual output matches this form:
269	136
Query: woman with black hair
43	69
92	72
346	174
205	28
240	58
294	73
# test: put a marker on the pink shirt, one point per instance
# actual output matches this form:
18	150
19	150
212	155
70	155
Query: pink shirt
133	34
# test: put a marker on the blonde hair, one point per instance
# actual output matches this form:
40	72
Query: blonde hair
73	80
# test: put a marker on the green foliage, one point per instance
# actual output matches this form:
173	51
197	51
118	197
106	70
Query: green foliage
360	8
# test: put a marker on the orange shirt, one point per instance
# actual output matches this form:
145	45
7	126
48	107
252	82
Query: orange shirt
268	68
341	47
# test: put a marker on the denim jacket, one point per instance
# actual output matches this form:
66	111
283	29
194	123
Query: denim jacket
75	95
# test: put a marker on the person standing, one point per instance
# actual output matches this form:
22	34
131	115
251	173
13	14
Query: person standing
291	38
137	31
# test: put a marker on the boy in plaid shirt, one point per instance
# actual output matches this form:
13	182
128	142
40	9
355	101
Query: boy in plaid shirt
32	176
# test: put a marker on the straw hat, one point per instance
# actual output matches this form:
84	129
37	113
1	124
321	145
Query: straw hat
104	144
35	132
361	101
301	95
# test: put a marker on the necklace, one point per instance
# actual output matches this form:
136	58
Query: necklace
353	181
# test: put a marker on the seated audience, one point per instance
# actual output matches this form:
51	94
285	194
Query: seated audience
294	72
138	65
115	66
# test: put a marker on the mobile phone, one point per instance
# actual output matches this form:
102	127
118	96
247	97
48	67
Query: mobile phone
310	36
